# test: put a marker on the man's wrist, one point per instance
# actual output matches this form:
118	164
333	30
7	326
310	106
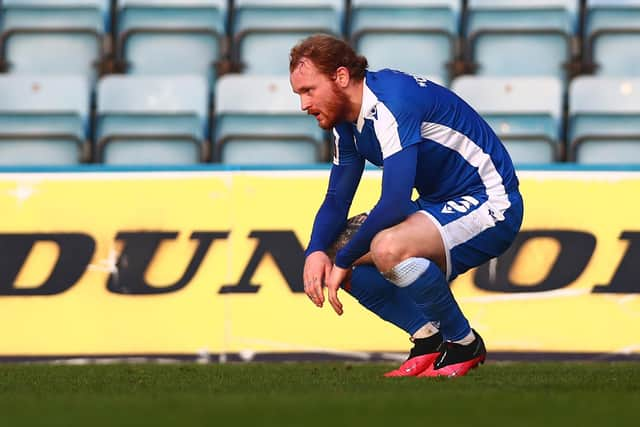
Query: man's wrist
342	262
311	250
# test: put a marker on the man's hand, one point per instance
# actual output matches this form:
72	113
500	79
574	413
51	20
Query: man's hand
335	279
317	267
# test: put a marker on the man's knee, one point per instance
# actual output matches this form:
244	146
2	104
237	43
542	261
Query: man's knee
393	257
387	250
416	237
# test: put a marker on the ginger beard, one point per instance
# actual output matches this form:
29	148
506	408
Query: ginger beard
335	109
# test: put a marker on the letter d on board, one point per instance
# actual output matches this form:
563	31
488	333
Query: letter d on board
76	250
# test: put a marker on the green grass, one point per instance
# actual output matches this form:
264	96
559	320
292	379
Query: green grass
318	394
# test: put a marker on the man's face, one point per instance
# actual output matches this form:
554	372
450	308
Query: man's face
319	95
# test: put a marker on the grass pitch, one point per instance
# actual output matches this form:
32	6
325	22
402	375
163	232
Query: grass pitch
318	394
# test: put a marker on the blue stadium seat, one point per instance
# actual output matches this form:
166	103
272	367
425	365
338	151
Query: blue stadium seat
604	120
525	112
171	37
264	31
54	36
521	37
382	31
265	127
44	120
152	120
612	37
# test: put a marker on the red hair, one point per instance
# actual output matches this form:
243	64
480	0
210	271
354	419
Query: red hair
328	53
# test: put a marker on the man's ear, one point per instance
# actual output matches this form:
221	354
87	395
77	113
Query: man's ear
342	77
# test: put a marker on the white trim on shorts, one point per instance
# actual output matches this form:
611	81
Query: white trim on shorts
447	254
466	227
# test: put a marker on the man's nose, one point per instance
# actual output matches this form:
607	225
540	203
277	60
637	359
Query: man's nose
305	103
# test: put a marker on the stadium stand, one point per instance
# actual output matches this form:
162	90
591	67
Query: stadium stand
54	36
43	120
521	37
382	31
604	120
265	30
612	37
169	37
152	120
267	127
525	112
157	63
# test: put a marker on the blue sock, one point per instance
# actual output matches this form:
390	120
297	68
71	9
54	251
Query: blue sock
385	299
431	292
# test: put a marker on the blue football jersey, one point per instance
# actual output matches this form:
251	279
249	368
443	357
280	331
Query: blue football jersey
425	137
458	151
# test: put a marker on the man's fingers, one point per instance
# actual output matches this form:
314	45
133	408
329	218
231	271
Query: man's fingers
336	277
316	268
313	289
317	287
334	301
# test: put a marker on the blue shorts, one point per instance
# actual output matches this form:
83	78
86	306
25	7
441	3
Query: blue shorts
474	228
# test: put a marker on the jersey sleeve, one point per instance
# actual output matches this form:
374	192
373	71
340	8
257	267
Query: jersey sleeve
344	178
344	147
393	207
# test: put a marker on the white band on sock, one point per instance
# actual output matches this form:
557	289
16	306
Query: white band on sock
471	337
428	330
406	272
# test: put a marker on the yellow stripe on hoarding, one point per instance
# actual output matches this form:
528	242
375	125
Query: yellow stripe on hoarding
160	247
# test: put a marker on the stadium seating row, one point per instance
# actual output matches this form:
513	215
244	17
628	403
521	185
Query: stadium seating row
447	38
180	101
169	120
153	120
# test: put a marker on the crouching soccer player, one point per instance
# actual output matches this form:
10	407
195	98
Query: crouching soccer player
468	209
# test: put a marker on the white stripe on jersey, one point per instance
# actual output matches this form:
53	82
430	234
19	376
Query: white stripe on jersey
336	147
386	128
473	154
385	124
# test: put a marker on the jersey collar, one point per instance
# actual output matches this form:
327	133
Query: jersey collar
368	110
